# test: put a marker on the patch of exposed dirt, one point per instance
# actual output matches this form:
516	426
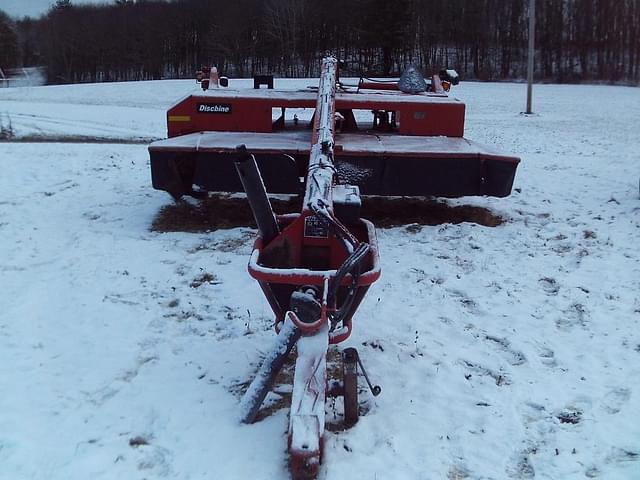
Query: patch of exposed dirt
223	211
138	441
218	211
205	277
396	211
571	416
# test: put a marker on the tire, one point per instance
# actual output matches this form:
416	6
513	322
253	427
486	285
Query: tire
350	384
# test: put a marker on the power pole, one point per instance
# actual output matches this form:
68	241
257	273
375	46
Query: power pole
532	30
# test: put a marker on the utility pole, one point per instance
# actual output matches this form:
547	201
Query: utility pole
532	30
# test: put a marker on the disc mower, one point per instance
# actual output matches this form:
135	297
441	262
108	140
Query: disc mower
401	137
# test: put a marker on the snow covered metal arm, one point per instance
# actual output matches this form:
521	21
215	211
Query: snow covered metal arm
321	168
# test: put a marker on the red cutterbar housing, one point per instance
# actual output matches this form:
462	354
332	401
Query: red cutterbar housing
220	110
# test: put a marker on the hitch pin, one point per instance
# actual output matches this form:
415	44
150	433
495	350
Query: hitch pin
375	389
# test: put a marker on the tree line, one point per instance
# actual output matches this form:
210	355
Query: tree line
576	40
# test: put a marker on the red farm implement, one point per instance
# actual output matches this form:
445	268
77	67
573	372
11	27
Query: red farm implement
316	266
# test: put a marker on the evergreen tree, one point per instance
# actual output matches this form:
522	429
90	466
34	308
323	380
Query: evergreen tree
9	56
483	39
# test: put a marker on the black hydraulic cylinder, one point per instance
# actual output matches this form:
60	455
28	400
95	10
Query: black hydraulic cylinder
256	194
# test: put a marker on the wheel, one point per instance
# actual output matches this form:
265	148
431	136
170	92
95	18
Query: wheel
350	385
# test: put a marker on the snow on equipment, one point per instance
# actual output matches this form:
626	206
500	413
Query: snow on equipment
315	267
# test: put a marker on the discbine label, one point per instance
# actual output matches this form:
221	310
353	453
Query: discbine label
224	108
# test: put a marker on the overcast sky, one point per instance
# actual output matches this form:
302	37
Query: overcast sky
35	8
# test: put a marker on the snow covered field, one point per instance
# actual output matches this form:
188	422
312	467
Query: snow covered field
510	352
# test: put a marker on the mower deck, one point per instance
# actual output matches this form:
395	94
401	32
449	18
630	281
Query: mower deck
379	163
387	143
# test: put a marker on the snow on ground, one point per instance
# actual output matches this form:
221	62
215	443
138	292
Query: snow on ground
127	110
506	352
